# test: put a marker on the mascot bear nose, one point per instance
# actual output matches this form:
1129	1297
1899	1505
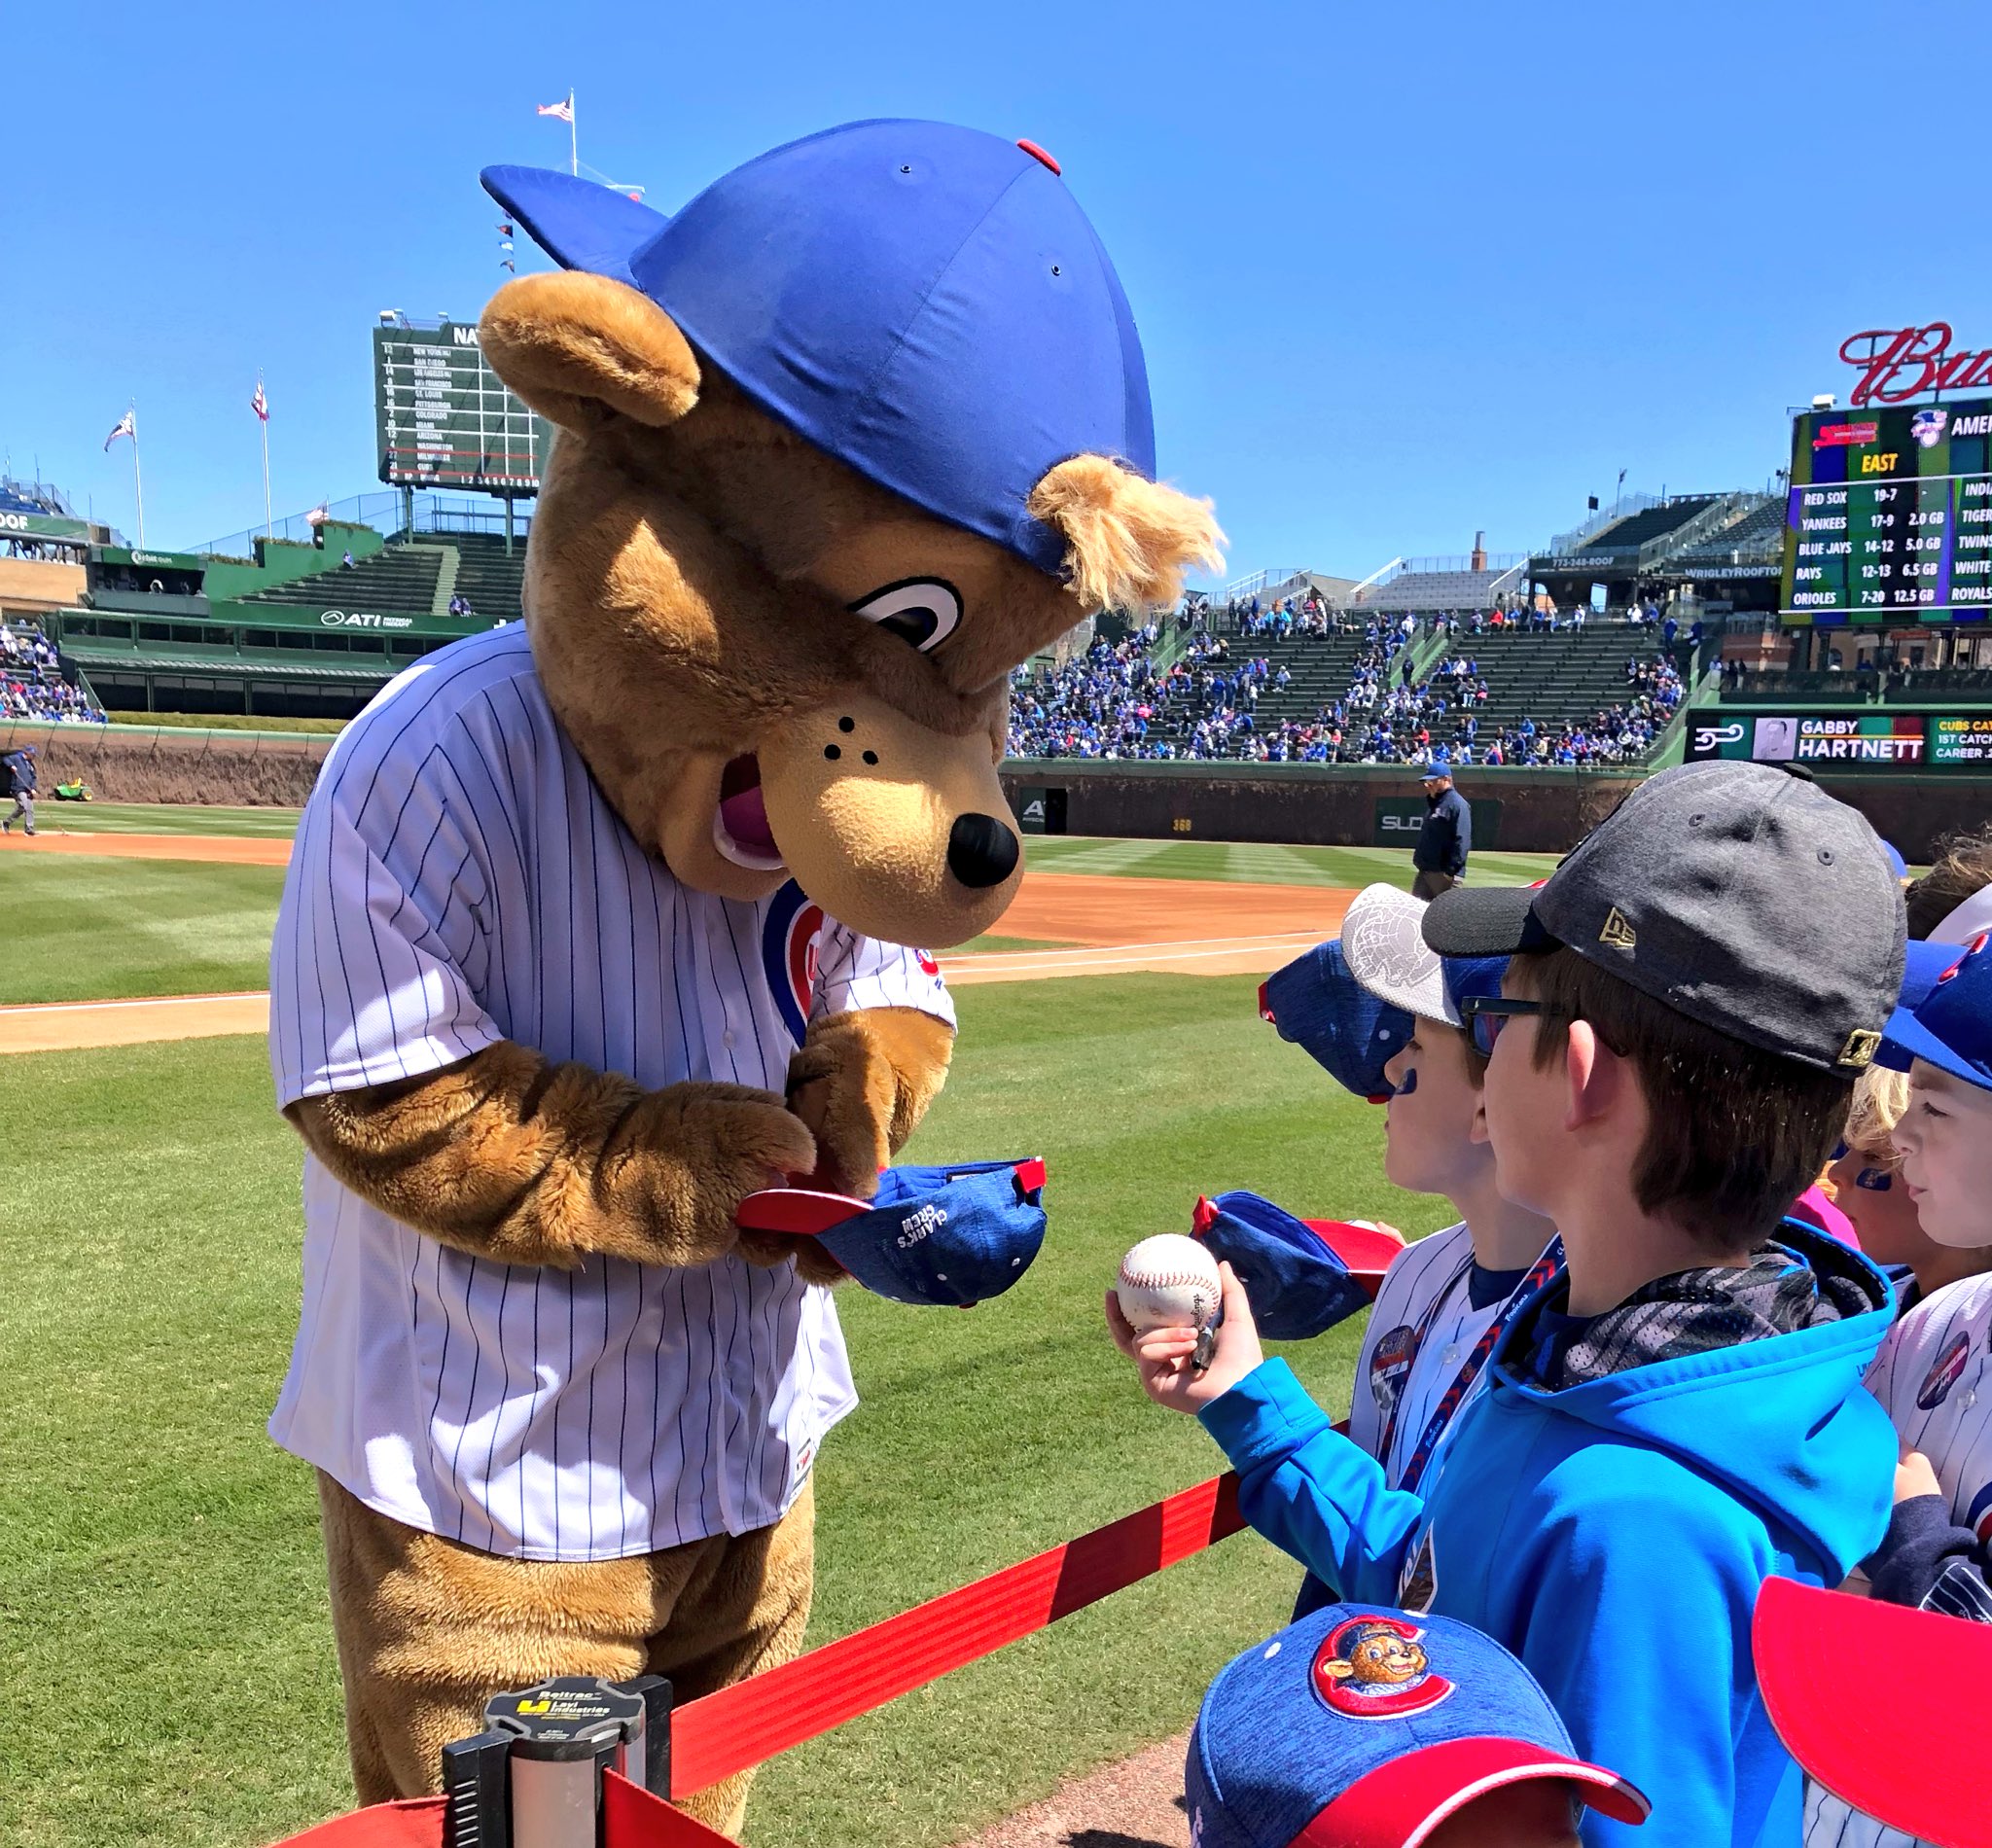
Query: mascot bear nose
981	850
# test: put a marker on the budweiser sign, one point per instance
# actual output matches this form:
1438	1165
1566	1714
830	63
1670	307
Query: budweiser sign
1898	363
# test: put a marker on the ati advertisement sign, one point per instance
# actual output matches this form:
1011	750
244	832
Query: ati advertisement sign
1867	740
1398	818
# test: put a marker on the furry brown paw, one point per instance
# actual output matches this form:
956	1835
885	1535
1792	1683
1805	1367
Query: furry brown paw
712	1146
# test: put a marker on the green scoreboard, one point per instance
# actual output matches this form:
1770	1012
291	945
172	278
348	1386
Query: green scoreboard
443	418
1890	516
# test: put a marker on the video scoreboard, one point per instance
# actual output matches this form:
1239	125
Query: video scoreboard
1858	740
1890	514
443	418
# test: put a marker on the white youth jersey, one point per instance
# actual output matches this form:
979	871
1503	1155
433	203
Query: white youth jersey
1933	1378
458	880
1426	1286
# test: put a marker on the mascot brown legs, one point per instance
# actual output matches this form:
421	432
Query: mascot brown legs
598	924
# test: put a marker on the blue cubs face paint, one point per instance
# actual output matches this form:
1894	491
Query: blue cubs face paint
1410	1081
1874	1179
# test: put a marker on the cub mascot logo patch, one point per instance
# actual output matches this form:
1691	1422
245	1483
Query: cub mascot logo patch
1944	1373
1375	1668
790	939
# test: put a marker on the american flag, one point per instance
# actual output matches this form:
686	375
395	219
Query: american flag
563	110
260	403
126	426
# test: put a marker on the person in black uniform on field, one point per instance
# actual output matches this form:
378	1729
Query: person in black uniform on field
1441	855
17	780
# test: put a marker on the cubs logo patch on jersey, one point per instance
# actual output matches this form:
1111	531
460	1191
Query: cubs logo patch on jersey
1389	1363
790	939
1978	1514
1944	1373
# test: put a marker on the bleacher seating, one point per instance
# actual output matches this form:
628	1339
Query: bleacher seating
1758	533
1420	591
404	574
397	578
493	582
1651	522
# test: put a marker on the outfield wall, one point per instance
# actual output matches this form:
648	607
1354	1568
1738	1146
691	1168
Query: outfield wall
1521	811
167	763
1343	805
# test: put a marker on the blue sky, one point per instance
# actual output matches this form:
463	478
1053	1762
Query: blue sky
1403	271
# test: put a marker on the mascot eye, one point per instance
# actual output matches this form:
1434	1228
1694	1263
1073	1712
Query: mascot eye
922	611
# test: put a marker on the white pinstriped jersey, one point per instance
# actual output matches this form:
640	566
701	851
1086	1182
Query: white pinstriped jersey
1397	1369
458	880
1934	1378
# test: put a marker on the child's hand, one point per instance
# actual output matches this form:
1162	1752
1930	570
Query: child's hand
1162	1358
1913	1476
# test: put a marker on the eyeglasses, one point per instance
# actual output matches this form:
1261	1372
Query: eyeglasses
1486	1014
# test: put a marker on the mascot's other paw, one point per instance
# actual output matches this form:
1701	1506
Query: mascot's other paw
707	1148
813	1265
862	1081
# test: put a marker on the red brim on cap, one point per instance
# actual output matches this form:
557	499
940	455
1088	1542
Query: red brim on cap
797	1210
1365	1251
1398	1804
1903	1750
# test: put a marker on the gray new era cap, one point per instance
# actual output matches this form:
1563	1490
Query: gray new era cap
1745	899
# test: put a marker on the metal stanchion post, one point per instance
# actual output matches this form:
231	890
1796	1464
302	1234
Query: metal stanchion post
533	1777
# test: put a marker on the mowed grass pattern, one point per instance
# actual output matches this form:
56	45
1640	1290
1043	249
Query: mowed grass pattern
1263	862
74	927
162	1586
163	818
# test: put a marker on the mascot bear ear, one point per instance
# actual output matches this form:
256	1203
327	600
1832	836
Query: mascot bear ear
1127	539
578	348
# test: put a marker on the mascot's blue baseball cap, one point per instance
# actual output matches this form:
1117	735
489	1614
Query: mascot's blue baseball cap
1301	1276
947	1236
926	304
1317	1005
1361	1728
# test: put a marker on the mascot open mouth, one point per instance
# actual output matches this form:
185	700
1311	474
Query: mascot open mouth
739	825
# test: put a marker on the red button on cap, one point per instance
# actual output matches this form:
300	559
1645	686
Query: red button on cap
1037	153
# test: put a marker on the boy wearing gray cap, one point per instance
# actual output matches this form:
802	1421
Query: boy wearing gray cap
1677	1414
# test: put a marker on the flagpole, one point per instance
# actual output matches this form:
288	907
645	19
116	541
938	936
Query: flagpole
268	525
573	137
137	479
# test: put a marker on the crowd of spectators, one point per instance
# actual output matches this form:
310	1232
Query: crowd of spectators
31	684
1114	701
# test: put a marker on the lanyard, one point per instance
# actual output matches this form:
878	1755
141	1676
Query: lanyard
1543	1268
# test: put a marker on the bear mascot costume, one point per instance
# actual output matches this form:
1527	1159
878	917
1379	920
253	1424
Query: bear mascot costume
594	923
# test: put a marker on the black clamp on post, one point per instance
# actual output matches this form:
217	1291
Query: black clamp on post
533	1777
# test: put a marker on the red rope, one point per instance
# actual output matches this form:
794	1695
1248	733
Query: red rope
767	1714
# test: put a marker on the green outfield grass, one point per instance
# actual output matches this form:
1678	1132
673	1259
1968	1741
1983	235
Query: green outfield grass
161	1601
1260	864
163	818
77	927
74	927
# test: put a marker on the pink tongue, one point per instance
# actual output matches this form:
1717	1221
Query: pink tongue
745	818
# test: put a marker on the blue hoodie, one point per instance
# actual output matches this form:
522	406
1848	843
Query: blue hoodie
1614	1535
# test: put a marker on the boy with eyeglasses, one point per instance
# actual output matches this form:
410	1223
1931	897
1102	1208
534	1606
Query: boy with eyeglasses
1678	1414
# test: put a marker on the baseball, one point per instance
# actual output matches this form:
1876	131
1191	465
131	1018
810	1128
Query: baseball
1168	1282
